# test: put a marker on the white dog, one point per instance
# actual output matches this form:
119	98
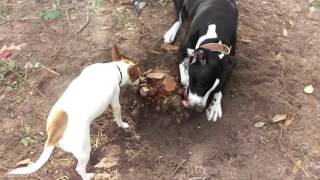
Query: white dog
86	98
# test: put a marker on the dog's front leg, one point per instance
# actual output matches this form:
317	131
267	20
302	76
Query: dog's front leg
184	61
214	110
116	108
184	68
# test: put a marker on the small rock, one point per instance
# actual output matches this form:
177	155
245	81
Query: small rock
309	89
28	65
37	65
285	32
279	117
259	124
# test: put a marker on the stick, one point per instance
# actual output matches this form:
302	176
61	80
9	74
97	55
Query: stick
67	14
178	167
86	24
50	70
290	157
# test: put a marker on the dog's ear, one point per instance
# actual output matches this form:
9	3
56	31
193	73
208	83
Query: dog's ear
134	72
200	57
116	56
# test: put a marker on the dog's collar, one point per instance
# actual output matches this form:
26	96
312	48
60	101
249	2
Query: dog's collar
120	75
217	47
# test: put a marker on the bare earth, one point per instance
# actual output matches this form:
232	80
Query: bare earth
274	67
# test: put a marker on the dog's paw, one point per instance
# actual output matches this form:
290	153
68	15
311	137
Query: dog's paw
214	111
184	79
124	125
170	35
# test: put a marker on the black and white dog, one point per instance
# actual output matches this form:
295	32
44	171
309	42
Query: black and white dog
205	61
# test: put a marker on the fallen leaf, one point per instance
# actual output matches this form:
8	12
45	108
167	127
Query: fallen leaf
26	141
142	5
285	32
245	40
169	47
289	121
309	89
314	13
291	23
18	47
156	75
185	103
24	162
5	54
259	124
63	178
296	167
12	47
144	91
279	117
169	84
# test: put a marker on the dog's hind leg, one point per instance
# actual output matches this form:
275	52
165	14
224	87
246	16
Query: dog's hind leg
170	35
116	108
83	154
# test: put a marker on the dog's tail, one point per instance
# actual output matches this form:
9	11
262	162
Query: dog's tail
37	165
56	125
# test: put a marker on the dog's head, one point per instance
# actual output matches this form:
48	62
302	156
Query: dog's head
132	69
204	69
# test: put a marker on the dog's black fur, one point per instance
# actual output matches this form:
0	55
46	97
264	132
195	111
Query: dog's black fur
207	66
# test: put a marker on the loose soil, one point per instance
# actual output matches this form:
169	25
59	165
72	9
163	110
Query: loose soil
273	69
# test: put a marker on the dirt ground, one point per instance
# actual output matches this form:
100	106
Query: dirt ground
278	51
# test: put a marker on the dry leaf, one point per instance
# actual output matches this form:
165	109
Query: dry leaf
24	162
291	23
156	75
314	13
169	47
296	167
12	47
309	89
185	103
259	124
144	91
289	121
279	117
245	40
169	84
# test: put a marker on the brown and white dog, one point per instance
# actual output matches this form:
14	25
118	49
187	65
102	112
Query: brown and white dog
86	98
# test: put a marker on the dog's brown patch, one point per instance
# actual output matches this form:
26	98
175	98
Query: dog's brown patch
56	126
115	53
134	72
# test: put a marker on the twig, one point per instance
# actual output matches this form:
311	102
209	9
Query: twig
50	70
86	24
29	83
2	97
198	178
290	157
67	14
178	167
